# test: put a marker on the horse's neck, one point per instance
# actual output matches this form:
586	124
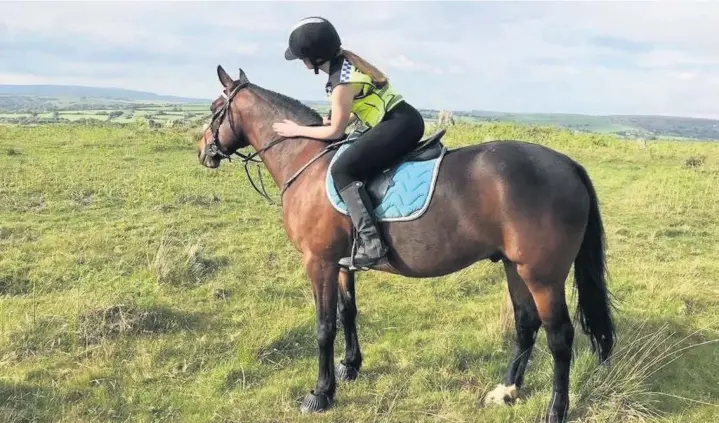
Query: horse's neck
285	158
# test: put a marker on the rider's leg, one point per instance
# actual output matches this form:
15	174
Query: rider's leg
377	149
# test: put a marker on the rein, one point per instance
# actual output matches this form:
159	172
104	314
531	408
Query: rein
216	149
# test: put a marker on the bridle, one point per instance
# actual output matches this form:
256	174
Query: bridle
215	148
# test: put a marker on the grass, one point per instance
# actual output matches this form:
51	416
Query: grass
138	286
161	113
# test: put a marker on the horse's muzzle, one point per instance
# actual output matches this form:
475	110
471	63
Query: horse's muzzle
208	159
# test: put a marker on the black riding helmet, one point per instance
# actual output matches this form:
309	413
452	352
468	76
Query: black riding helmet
315	39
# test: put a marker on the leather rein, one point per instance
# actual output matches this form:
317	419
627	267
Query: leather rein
215	148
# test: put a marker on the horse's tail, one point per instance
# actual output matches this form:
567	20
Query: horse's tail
594	305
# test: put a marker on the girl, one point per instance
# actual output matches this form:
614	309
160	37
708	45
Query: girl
355	87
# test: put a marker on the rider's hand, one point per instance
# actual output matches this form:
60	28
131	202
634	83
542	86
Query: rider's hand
287	128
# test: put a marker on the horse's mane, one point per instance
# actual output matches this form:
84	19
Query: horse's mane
288	105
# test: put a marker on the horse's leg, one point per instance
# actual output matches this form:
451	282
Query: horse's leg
549	298
526	324
349	367
323	275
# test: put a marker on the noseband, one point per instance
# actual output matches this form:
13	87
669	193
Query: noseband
215	148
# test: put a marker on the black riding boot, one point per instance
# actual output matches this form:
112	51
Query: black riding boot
370	245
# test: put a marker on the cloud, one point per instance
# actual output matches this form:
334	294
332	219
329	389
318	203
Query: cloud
403	62
608	57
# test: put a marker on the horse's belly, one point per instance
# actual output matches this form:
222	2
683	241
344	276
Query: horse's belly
457	229
435	246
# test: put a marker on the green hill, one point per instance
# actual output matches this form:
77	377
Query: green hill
77	91
22	100
635	126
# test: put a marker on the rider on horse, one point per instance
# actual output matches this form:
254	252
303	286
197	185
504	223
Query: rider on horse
394	126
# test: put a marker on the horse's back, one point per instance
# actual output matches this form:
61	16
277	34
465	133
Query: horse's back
488	197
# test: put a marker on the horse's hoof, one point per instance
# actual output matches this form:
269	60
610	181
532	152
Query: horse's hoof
345	373
555	418
558	409
315	403
501	395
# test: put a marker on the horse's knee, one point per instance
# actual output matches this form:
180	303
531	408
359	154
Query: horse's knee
326	333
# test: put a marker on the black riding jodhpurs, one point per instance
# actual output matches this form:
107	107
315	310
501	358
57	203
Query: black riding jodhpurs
380	147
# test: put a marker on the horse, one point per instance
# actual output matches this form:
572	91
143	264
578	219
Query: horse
526	205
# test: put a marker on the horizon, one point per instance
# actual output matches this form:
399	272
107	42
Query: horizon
560	58
209	100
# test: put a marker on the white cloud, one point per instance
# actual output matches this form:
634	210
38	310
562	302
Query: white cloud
640	57
692	24
403	62
662	58
686	75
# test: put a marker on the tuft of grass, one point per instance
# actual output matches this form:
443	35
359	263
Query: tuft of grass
694	162
41	337
623	390
179	263
198	200
50	334
130	319
15	281
83	197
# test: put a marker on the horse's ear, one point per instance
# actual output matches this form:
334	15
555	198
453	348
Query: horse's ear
225	79
243	77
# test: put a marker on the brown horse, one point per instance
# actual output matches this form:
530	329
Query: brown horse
526	205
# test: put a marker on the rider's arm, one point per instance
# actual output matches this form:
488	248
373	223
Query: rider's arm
342	97
327	120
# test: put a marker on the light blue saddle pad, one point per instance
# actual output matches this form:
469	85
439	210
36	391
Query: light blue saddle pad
408	191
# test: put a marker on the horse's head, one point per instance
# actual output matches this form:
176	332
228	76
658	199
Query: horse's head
224	135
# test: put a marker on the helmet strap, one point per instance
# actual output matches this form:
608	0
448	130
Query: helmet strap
316	64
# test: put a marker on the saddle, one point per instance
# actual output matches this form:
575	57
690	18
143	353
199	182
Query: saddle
403	190
429	148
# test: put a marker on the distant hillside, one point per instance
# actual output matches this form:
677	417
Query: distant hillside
76	91
632	126
43	99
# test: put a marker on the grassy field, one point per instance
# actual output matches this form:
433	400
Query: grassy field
600	124
139	286
160	113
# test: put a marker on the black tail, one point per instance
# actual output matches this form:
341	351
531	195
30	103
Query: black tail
594	305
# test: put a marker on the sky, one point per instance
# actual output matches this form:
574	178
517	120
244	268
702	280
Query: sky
606	57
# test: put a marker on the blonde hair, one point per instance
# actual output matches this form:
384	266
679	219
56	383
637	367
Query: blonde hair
377	76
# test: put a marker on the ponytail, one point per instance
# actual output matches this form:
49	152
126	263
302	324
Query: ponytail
377	76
